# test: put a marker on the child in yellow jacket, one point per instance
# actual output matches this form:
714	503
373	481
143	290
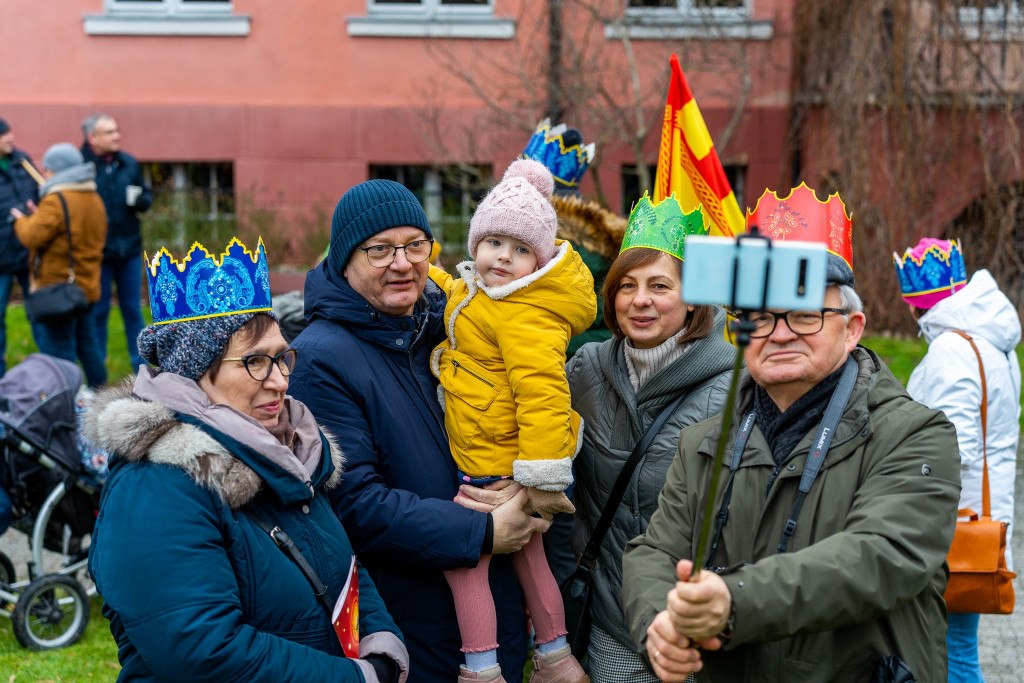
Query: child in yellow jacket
506	399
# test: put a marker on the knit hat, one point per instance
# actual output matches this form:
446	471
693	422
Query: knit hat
4	127
519	207
367	209
61	156
187	347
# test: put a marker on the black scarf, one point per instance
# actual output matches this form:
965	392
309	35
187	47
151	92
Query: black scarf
784	430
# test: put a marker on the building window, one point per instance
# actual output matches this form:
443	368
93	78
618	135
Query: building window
191	202
431	19
991	20
449	195
167	18
692	19
736	174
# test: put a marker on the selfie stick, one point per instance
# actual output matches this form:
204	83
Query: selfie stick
743	327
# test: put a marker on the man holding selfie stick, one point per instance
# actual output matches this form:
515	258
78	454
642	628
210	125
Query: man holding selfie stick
125	196
835	512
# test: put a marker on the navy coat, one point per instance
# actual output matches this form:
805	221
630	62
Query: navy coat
124	237
194	589
366	376
17	188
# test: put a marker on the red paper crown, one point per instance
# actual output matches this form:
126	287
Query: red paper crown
802	216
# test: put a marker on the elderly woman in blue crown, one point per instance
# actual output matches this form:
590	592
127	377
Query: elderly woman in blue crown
216	550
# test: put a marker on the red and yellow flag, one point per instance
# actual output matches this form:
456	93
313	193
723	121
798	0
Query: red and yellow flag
688	164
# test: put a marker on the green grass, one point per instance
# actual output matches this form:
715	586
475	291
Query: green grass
93	658
20	342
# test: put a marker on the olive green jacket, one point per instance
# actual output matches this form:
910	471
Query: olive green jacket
865	570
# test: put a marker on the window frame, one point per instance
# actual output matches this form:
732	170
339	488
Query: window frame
430	19
686	21
687	9
167	17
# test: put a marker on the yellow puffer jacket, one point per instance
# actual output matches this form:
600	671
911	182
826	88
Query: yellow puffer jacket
502	369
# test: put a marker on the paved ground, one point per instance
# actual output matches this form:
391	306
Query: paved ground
1001	637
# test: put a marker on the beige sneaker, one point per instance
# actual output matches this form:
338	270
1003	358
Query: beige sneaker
557	667
491	675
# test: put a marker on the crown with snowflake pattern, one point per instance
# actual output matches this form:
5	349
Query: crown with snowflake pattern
206	286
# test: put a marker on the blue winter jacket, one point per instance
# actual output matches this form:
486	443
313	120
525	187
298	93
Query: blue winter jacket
366	377
17	188
124	236
194	589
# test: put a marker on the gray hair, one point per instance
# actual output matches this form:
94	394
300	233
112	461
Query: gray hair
90	122
850	299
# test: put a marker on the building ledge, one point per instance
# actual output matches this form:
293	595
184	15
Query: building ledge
128	24
418	26
698	28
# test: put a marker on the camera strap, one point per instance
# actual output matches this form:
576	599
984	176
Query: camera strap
819	447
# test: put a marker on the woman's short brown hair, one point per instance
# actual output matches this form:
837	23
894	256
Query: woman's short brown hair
253	329
698	323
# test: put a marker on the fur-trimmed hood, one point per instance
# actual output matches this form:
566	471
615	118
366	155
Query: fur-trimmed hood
122	422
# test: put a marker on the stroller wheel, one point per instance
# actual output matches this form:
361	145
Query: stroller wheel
51	612
7	573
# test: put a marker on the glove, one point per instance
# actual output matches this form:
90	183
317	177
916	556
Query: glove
549	503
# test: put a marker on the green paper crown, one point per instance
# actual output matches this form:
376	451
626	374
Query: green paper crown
663	226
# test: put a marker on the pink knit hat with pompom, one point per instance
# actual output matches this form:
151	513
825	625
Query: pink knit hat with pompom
519	207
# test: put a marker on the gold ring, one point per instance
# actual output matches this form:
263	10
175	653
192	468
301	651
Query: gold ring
656	653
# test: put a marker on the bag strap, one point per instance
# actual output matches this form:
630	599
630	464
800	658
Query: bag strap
589	556
67	228
287	545
986	503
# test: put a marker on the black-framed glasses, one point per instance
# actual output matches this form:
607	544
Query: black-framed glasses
799	322
260	365
383	255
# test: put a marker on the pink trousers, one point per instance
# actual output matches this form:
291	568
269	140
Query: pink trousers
474	605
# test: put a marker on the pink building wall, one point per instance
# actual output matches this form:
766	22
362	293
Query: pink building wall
302	108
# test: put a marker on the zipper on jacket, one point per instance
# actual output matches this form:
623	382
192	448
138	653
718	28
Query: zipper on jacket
771	480
455	364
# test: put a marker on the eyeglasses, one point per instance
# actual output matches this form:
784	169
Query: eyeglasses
799	322
260	365
383	255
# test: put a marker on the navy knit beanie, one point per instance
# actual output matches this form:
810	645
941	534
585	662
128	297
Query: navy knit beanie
369	208
4	127
187	347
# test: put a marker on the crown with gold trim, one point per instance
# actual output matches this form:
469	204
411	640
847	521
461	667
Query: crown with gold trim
802	216
558	149
205	286
663	226
931	271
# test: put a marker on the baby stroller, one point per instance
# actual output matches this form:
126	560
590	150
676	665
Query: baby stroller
54	500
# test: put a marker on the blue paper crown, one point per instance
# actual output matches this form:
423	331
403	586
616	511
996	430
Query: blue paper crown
932	270
204	286
567	164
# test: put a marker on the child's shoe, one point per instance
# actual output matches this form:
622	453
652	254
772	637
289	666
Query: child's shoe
491	675
557	667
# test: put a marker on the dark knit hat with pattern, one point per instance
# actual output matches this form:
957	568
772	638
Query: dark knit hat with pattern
369	208
187	347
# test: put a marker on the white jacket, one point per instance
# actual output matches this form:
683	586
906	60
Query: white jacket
947	379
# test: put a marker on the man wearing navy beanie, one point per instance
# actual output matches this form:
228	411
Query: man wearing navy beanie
364	371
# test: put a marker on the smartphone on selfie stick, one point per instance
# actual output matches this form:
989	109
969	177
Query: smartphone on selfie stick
748	274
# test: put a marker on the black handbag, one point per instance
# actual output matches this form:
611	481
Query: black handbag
61	301
576	589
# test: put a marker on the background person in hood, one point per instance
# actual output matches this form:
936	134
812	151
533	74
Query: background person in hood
933	281
506	399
